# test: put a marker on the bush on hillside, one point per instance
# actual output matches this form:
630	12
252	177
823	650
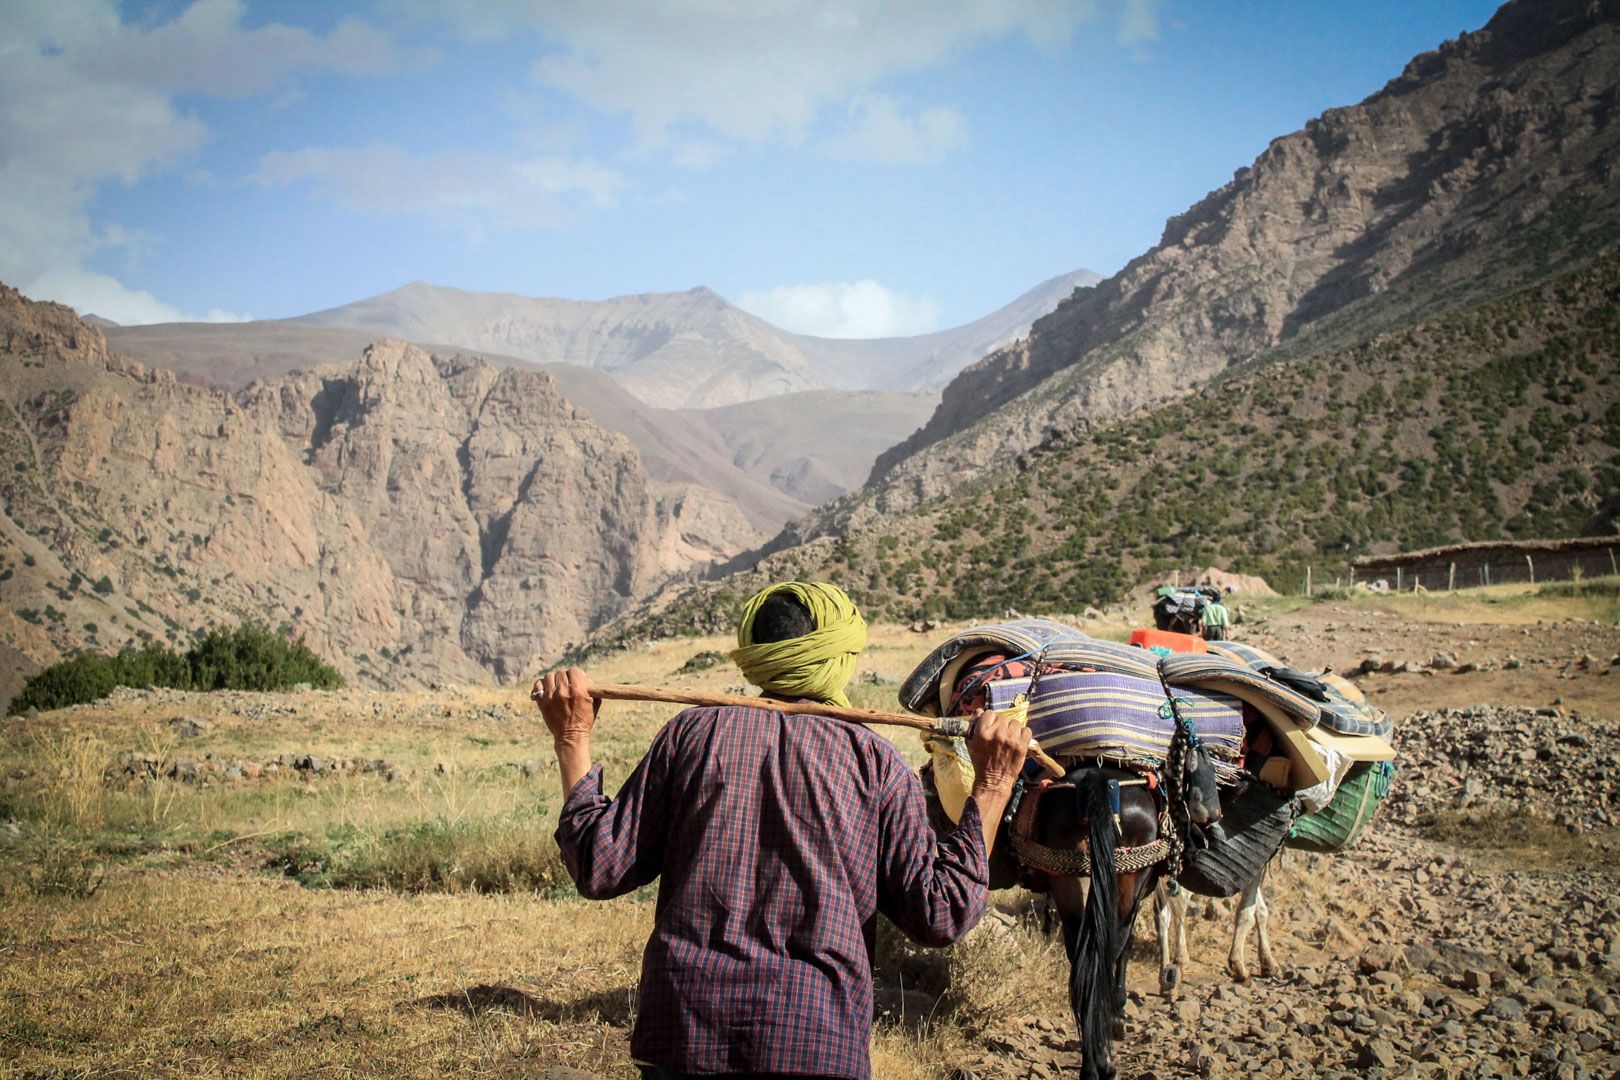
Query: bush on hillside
250	657
253	657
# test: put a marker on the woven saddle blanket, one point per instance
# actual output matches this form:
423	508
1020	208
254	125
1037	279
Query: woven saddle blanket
1058	645
1086	714
1343	707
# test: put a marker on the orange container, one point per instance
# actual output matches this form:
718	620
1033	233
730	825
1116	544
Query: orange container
1146	639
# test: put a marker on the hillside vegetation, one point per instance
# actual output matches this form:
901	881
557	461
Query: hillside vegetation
1486	167
249	657
1502	419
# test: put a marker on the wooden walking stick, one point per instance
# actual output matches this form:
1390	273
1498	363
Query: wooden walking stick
949	726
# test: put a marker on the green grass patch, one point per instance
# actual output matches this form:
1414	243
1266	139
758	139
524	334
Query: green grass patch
502	855
1518	840
701	661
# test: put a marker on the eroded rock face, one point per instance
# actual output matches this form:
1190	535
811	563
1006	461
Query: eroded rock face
1483	166
417	517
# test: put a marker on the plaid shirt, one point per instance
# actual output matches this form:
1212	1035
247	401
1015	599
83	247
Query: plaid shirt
778	838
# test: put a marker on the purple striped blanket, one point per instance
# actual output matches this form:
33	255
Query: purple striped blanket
1081	714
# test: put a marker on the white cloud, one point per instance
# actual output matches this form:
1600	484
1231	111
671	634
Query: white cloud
884	133
1139	21
699	154
90	293
750	72
87	99
473	191
843	309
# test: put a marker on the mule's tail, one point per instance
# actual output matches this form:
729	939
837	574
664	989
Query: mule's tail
1092	971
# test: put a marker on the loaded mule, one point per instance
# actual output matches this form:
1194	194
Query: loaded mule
1146	739
1353	738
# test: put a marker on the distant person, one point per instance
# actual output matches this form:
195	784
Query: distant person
776	837
1216	619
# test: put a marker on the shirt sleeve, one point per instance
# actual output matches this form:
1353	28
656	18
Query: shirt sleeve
934	889
612	846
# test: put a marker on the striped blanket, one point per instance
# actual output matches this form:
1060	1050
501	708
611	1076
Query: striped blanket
1064	649
1078	714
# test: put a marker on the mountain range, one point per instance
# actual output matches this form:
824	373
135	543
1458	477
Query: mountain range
406	505
622	359
417	512
1481	173
1396	326
692	349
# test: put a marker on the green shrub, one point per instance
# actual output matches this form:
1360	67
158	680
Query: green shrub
253	657
249	657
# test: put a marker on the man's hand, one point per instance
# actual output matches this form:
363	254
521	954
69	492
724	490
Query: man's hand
567	706
570	713
998	747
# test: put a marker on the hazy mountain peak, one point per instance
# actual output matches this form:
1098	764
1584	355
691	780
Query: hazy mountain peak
691	349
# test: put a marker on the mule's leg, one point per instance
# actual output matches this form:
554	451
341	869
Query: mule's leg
1068	898
1180	903
1262	925
1163	921
1133	886
1242	923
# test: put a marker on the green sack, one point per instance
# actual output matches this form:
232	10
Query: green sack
1341	822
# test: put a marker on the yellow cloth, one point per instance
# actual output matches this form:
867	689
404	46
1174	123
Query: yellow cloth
817	665
953	769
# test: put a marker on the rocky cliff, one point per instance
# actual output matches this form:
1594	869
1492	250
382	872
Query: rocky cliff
418	517
1484	166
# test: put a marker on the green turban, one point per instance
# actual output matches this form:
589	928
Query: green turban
817	665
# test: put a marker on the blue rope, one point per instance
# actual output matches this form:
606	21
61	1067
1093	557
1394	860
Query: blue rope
1170	711
984	676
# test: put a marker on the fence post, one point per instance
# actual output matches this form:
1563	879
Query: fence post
1417	582
1531	564
1451	578
1487	571
1613	569
1398	579
1307	581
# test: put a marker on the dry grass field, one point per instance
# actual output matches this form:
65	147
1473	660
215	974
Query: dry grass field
365	883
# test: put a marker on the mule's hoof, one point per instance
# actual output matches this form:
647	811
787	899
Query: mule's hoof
1273	971
1239	973
1169	981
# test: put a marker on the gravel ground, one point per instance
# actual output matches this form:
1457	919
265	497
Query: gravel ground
1475	932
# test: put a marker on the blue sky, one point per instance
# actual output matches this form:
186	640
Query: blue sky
847	167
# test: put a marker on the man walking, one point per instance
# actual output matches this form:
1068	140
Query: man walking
776	838
1216	617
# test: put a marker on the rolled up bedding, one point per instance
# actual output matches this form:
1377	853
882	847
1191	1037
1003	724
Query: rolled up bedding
1344	708
1078	714
1062	648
